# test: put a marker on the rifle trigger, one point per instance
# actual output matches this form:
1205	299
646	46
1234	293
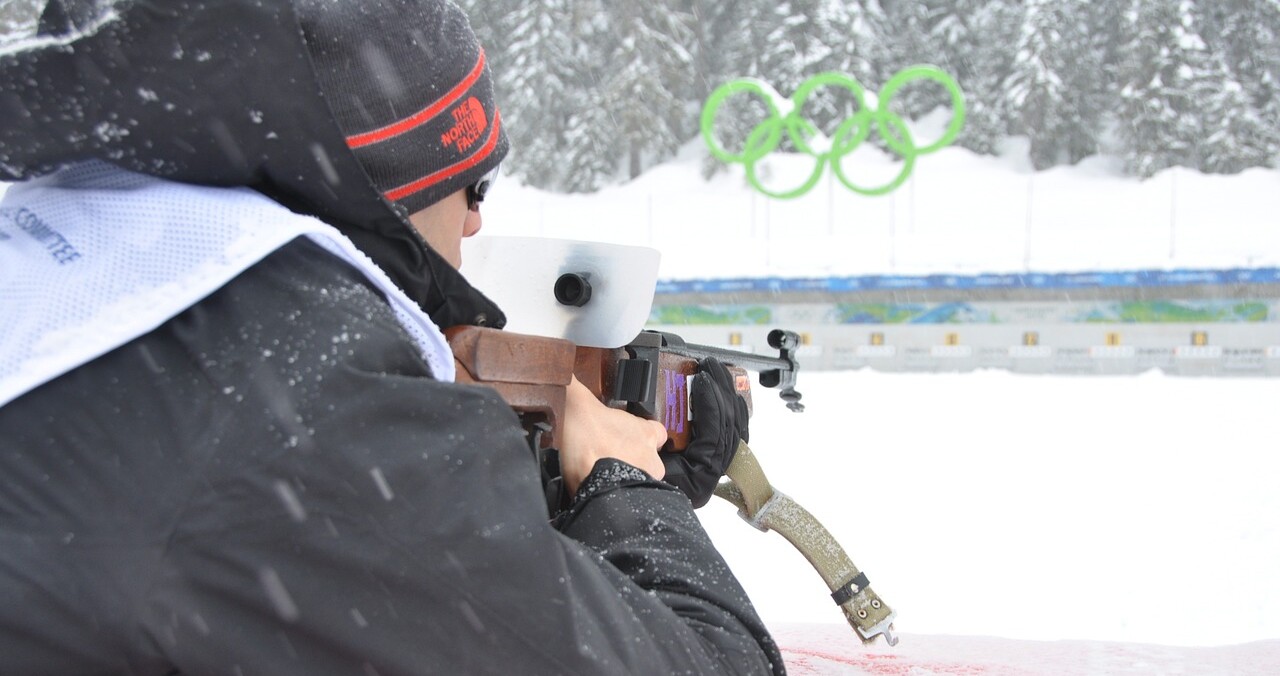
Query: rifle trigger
538	430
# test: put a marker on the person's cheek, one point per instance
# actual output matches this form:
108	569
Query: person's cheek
473	224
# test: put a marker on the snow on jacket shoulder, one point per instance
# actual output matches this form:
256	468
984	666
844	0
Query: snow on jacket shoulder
272	483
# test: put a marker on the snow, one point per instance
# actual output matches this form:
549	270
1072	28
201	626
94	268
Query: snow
958	212
1120	511
1137	510
820	649
19	34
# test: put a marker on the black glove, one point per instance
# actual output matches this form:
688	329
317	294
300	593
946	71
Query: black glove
719	421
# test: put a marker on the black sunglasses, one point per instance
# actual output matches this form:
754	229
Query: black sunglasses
476	191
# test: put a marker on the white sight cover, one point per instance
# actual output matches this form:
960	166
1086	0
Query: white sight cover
520	274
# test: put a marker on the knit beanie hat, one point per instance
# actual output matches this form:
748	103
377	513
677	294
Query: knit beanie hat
409	87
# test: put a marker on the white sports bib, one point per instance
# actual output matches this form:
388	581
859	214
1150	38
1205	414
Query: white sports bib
94	256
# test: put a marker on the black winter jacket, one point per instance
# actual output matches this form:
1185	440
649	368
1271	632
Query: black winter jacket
272	483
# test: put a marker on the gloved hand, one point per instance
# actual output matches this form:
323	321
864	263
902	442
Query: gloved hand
719	421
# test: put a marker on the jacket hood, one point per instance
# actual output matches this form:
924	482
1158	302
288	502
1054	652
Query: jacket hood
212	93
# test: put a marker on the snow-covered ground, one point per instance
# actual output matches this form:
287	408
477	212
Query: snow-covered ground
822	650
1137	509
958	212
1048	508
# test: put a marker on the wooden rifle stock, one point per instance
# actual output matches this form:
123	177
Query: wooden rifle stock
649	377
531	373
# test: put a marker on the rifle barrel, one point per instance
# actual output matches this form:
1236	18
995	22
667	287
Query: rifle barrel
746	360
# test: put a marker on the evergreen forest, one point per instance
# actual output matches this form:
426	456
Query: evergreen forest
596	91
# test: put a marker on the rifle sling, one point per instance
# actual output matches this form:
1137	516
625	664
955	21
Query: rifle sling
766	508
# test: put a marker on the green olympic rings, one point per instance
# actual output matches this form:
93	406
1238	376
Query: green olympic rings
784	117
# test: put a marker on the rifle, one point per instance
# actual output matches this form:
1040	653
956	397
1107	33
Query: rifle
649	377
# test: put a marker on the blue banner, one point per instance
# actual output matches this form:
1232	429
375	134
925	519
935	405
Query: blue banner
1072	280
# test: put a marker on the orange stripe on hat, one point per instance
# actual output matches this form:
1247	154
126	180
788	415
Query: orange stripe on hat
451	170
421	117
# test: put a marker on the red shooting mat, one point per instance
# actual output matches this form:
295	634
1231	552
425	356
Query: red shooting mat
833	650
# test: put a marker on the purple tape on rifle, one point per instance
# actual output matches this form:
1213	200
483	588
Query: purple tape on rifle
673	382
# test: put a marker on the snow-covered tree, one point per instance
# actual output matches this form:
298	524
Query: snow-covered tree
855	48
540	60
1236	137
18	20
1249	42
593	91
857	44
796	45
726	41
994	25
645	74
1162	121
1180	105
956	30
727	38
907	31
1053	87
1109	25
811	37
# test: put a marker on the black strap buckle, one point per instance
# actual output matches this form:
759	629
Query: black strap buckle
850	589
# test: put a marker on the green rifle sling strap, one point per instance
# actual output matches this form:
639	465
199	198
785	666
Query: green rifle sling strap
767	509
